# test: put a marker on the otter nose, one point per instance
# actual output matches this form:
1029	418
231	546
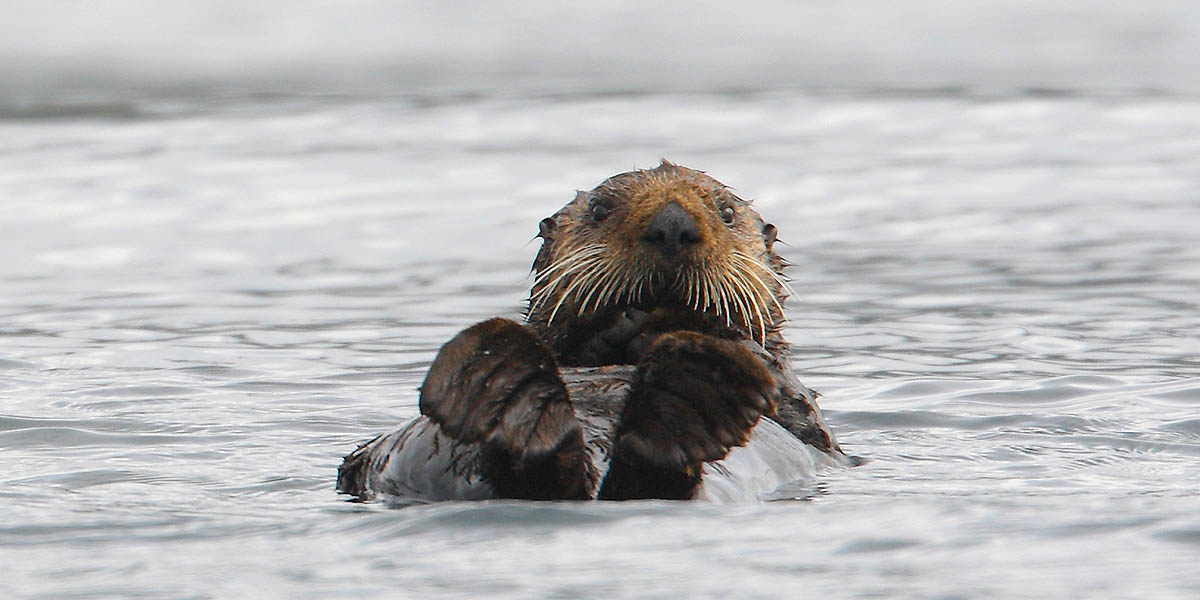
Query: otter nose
671	230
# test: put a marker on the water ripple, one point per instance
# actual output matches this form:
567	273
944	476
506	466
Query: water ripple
204	310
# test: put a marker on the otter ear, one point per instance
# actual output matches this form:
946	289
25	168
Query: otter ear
769	235
546	230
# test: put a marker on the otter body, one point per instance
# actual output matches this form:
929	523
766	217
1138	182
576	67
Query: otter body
651	365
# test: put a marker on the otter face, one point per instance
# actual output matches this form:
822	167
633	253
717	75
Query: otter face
668	248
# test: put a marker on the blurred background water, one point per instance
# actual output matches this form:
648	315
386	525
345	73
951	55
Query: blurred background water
233	235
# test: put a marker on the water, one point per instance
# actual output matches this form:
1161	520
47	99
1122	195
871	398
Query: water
206	306
233	238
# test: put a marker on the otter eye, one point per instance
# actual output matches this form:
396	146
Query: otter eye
727	214
600	212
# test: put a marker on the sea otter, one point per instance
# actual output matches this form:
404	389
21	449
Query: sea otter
651	365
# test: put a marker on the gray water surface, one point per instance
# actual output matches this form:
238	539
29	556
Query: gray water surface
206	305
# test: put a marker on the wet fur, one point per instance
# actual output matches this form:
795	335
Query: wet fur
730	284
601	297
699	324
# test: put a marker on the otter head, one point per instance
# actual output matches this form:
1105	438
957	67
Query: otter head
651	251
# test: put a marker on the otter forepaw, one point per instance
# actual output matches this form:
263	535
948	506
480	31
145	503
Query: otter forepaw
497	385
611	344
694	398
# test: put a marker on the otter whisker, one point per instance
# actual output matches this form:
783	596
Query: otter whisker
726	297
604	287
740	300
575	268
756	304
618	288
736	308
689	283
720	288
574	262
527	410
539	297
749	263
578	284
704	286
786	287
691	289
558	305
549	279
743	288
569	260
747	267
764	267
613	281
597	284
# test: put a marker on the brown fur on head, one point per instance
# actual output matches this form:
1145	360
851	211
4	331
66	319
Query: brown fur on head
595	261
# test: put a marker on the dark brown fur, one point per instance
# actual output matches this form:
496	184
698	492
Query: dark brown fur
620	331
665	270
633	199
695	397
